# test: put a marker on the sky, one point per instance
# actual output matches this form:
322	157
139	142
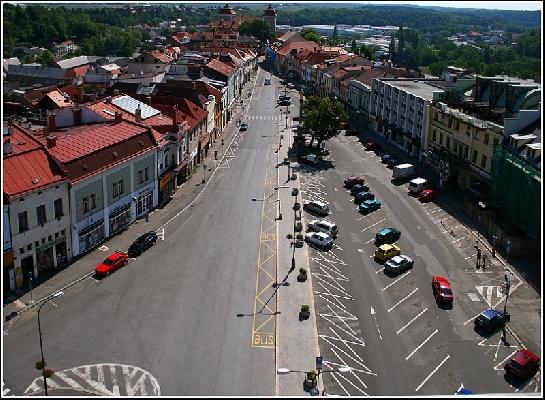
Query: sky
497	5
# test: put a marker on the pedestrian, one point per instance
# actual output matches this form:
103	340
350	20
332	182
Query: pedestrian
483	265
478	258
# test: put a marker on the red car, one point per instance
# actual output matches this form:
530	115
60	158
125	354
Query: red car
370	145
441	289
112	263
427	195
524	364
353	180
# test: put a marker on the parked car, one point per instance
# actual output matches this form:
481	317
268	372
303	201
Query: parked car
384	158
387	235
392	162
316	206
267	81
387	251
490	321
398	264
112	263
357	188
370	145
368	206
319	239
417	185
403	171
362	196
354	180
295	118
427	195
324	226
285	103
291	85
244	126
284	97
308	159
441	289
143	243
523	365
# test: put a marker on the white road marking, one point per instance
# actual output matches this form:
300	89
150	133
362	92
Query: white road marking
473	296
471	256
360	250
403	299
412	320
376	322
400	277
376	223
421	344
103	248
488	292
369	241
434	211
380	270
433	372
457	240
441	219
497	366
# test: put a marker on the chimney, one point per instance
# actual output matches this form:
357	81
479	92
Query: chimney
116	92
138	114
7	147
51	122
77	116
117	117
51	141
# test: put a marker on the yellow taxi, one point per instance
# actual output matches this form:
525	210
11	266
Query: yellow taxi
387	251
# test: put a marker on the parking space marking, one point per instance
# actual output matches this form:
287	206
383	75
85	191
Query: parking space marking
457	240
442	219
402	300
471	256
433	372
369	241
498	366
421	344
397	280
434	211
471	319
376	223
103	248
380	270
411	321
428	211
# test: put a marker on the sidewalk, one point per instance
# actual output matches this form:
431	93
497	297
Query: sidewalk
296	340
20	300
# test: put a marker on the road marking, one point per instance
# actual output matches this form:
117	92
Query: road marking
380	270
403	299
369	241
421	344
488	292
457	240
471	256
161	233
442	219
411	321
376	322
103	248
433	372
376	223
473	296
360	250
401	277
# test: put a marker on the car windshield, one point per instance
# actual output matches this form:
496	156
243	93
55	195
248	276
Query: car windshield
107	261
446	291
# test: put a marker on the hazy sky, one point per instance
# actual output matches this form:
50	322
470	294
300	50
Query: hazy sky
498	5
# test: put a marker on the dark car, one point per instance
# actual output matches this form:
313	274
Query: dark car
353	180
387	235
491	320
392	162
362	196
523	365
285	103
358	188
385	158
244	126
370	145
143	243
369	205
284	97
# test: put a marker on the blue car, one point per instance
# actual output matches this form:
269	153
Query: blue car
384	158
358	188
490	320
362	196
369	205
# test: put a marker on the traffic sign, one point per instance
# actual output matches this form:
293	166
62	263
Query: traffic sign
319	362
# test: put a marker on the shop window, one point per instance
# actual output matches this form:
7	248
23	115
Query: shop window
23	222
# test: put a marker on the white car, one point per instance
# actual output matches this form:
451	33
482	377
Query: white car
324	226
317	207
319	239
398	264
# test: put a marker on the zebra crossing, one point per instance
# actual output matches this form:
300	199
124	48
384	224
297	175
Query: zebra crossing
265	118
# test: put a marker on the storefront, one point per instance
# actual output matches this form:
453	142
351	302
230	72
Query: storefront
204	145
119	217
182	171
167	186
91	236
9	271
51	255
144	203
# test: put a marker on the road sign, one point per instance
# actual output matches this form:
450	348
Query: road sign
319	362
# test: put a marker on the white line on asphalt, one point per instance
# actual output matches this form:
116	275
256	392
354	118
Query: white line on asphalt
441	219
496	367
380	270
421	344
369	241
401	277
433	372
403	299
360	250
376	223
433	208
457	240
471	256
412	320
472	318
452	228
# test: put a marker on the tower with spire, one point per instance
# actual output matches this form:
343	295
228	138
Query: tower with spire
269	17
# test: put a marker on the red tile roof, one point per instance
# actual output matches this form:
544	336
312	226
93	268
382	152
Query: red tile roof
20	140
220	67
299	45
164	58
58	98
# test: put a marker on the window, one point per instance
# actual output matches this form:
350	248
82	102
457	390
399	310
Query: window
496	142
22	250
486	138
140	176
93	201
483	161
29	246
40	213
434	135
120	187
441	138
58	208
86	204
146	173
477	134
166	162
448	143
474	159
23	222
468	132
466	152
114	189
63	232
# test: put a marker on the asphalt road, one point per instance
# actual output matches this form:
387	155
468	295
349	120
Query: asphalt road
390	330
168	323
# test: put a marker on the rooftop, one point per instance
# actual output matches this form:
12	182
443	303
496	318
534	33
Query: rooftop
415	87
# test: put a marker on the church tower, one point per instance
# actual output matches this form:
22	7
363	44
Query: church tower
269	17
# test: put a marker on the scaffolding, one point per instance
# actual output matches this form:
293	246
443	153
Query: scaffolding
516	190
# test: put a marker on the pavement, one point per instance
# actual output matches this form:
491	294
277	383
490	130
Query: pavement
24	299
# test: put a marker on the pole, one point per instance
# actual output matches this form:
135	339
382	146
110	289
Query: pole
30	283
41	348
203	173
222	148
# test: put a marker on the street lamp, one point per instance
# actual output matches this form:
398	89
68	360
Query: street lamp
57	294
508	275
30	283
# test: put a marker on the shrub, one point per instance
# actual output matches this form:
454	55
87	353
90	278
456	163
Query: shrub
39	364
299	236
48	372
302	271
305	308
290	236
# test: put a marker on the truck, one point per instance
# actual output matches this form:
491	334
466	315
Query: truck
403	171
417	185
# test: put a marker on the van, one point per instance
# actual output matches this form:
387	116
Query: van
316	206
403	171
417	185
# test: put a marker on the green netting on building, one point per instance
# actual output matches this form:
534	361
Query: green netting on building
516	190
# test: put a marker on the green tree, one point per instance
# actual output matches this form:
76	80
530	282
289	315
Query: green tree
46	58
392	47
257	28
310	34
367	51
323	118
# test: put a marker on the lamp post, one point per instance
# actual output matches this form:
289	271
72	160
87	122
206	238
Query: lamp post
30	283
57	294
203	173
222	147
314	391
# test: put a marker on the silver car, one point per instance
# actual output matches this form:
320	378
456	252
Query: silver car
324	226
319	239
398	264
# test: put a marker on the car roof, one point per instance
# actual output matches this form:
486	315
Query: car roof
441	279
386	246
320	203
322	234
490	313
397	259
524	356
419	180
385	231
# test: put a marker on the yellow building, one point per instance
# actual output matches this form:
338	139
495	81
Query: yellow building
461	147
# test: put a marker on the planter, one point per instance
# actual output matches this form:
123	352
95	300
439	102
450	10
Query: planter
294	192
302	275
305	312
299	243
293	177
298	227
297	206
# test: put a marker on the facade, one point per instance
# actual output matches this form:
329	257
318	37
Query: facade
269	17
154	61
64	48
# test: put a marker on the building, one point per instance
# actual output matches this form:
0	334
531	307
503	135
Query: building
151	62
269	17
64	48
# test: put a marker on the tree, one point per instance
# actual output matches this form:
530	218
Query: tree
368	51
310	34
401	44
46	58
323	118
257	28
392	47
354	46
